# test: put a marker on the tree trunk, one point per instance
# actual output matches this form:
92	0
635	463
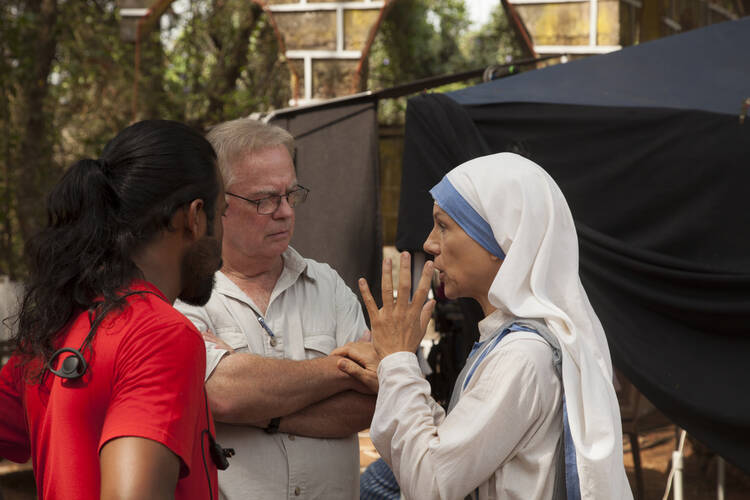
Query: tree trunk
232	53
152	83
33	162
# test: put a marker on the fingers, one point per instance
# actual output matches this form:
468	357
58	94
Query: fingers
362	353
387	284
404	279
367	377
209	337
426	314
340	351
367	298
350	368
423	288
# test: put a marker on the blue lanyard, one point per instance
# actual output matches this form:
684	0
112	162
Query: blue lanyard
265	326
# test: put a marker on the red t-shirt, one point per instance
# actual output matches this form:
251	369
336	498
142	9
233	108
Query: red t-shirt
144	379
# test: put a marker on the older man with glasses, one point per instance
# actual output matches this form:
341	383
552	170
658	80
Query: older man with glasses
274	317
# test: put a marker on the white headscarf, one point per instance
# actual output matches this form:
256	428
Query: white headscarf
531	222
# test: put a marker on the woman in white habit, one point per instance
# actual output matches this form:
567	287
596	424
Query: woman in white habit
534	414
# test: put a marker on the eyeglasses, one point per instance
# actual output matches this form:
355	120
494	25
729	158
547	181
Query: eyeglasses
268	205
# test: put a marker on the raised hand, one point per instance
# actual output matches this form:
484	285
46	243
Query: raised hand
399	326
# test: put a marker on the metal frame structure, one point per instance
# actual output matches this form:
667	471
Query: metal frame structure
308	56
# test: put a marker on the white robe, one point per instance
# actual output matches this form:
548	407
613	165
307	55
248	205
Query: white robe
519	209
502	439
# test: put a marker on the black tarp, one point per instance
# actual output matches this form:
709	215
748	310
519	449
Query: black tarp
337	159
647	146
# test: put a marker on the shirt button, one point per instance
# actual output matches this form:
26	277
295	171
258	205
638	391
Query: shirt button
296	491
291	438
273	342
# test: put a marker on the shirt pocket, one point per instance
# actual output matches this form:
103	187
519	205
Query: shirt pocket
234	337
318	345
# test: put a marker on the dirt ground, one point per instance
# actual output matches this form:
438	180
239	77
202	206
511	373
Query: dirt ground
16	483
699	474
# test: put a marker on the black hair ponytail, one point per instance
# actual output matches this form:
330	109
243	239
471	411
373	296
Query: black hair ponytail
99	214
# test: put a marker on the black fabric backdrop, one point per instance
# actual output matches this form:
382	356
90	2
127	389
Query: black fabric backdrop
337	159
659	195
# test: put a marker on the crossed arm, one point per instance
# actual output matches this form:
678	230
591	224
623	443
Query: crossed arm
313	397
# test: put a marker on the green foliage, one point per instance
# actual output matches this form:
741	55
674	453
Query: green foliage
68	82
224	64
92	80
424	38
493	43
418	38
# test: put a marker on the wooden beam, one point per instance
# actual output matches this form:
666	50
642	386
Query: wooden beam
650	20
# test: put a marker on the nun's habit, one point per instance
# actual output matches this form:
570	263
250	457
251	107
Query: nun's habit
504	435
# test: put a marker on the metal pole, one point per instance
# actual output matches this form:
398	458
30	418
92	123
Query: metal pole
593	20
677	464
721	473
675	473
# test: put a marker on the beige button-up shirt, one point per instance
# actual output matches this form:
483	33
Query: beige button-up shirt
499	442
311	312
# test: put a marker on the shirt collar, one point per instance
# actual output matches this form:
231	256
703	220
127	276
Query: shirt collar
295	263
295	266
490	324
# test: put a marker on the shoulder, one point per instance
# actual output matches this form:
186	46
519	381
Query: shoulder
311	267
527	345
519	369
320	273
149	317
524	355
149	308
152	339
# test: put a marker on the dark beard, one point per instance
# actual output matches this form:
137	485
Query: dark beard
200	263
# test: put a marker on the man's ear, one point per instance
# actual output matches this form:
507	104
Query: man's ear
195	219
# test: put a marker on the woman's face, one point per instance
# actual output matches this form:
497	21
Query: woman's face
466	268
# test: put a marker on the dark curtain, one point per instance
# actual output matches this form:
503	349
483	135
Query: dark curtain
659	199
337	159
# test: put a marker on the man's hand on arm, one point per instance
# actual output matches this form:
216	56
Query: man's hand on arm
208	336
137	468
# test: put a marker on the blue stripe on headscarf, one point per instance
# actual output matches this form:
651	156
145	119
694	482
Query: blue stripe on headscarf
465	216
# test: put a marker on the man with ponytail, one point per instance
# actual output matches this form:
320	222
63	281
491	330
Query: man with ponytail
105	390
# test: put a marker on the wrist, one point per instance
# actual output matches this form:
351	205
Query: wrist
385	351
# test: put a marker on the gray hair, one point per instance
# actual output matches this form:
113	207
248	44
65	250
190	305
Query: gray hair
235	139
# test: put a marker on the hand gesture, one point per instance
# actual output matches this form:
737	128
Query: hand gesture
360	361
399	326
